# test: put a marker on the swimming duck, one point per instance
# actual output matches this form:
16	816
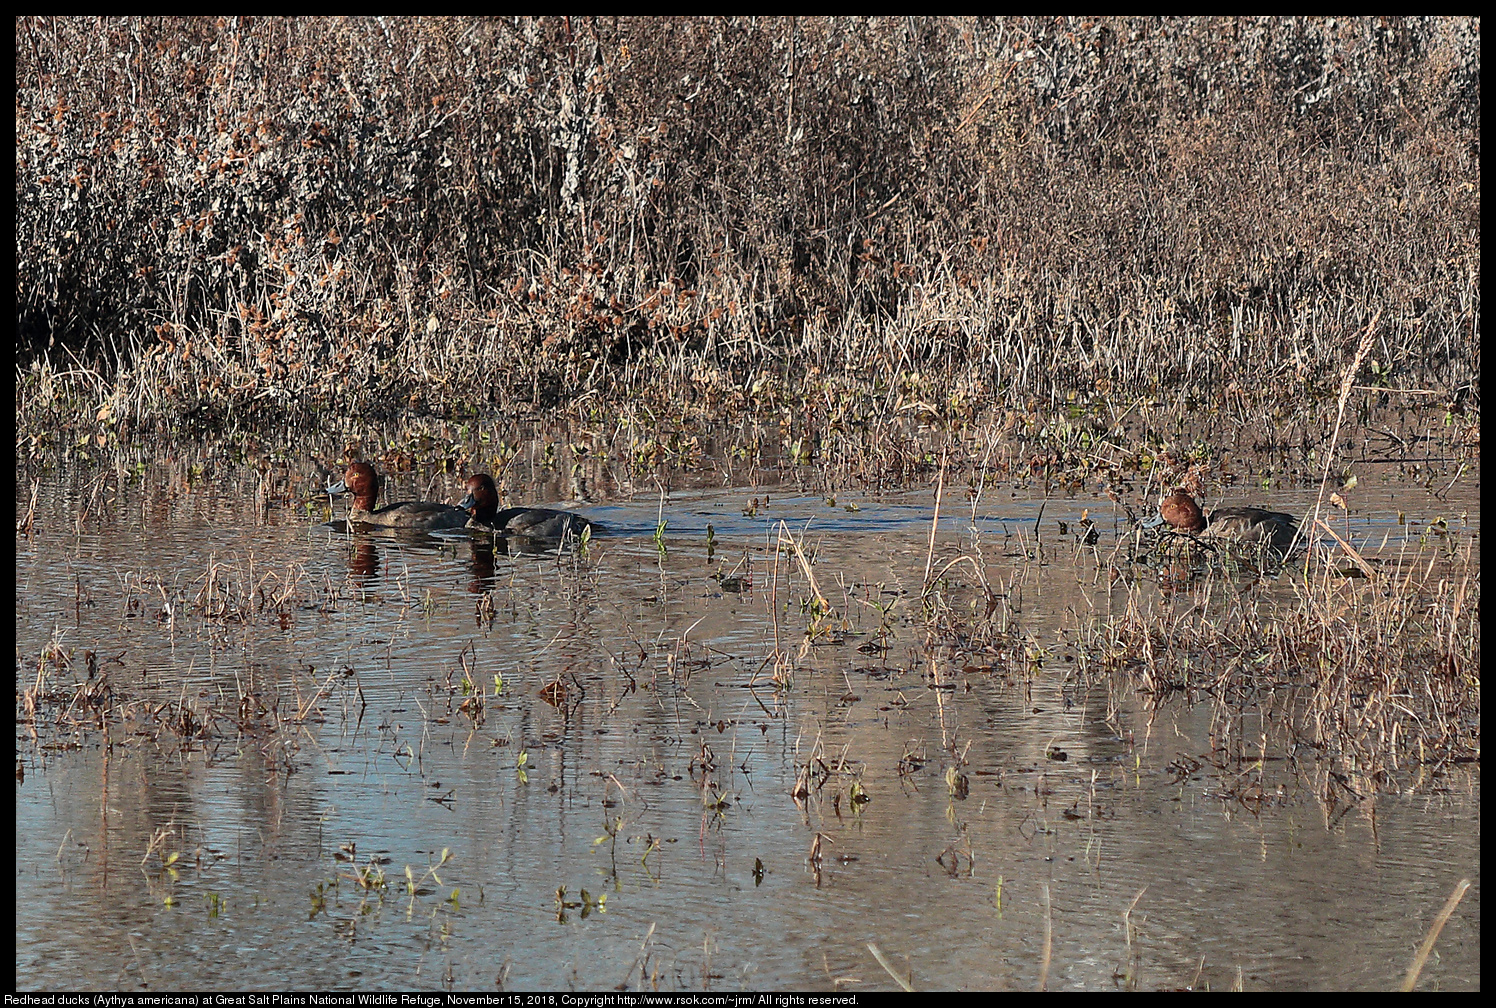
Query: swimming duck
1239	524
362	482
482	503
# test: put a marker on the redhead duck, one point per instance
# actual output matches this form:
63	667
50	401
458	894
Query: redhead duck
1239	524
362	482
482	502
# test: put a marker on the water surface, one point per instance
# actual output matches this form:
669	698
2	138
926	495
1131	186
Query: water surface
745	806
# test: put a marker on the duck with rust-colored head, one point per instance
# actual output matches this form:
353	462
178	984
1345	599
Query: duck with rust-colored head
482	503
360	480
1237	524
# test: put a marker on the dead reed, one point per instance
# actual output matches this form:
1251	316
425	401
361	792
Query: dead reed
974	216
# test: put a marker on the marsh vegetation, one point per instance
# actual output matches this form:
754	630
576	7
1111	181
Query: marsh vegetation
870	343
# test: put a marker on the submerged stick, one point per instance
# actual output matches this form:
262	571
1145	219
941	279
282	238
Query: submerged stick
935	522
1350	550
1347	383
786	534
1411	979
1048	942
888	966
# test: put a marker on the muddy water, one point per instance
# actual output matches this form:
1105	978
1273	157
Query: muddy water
404	760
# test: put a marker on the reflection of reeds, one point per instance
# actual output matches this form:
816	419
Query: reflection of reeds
236	592
77	689
25	522
1382	671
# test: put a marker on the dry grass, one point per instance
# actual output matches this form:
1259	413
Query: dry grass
274	221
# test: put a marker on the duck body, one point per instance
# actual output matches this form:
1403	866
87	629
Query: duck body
482	505
1253	525
360	480
1256	526
540	523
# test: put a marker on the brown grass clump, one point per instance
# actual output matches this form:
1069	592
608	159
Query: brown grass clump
1381	673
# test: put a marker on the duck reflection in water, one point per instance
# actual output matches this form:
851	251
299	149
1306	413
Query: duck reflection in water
480	567
363	560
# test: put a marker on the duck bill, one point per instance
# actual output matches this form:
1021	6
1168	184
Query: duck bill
340	487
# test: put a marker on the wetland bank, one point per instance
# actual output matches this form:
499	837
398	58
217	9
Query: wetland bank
872	680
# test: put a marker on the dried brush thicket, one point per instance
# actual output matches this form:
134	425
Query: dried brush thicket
257	219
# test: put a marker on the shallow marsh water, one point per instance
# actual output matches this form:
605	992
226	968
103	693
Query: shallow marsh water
746	833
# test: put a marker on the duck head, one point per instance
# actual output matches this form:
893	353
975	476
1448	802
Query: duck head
1181	512
360	480
482	500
